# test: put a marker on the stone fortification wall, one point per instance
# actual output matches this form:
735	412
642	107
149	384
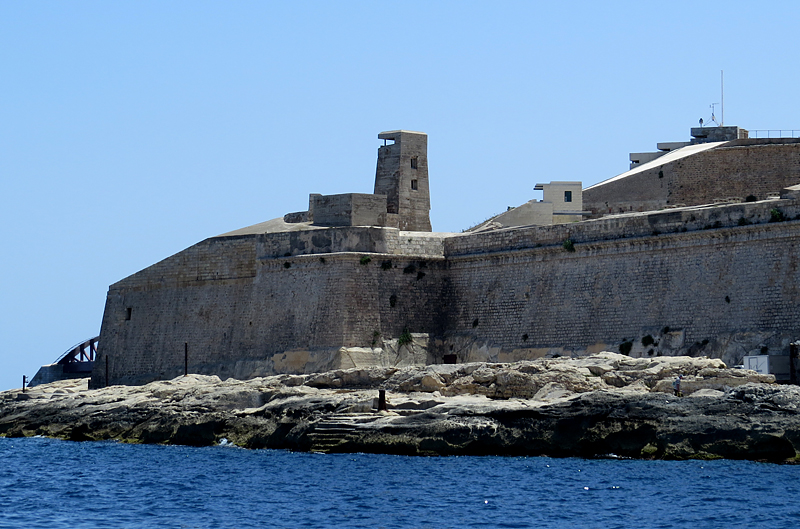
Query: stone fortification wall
420	243
349	209
327	240
620	227
736	170
345	239
663	285
244	312
720	281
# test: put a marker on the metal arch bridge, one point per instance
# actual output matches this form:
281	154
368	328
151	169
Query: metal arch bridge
80	357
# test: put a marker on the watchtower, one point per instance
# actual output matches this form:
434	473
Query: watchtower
402	175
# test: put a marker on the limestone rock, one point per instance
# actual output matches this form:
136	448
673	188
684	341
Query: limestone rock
425	380
714	379
604	403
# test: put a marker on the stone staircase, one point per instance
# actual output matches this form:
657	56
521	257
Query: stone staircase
336	430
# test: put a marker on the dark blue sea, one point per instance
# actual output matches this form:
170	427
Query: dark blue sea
58	484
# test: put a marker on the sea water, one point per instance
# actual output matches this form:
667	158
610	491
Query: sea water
58	484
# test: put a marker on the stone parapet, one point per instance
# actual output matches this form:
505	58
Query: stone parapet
421	244
676	220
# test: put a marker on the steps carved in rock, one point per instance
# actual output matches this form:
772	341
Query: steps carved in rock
337	430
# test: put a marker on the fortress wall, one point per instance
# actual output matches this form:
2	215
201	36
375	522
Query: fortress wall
392	294
500	296
647	190
241	314
607	292
223	321
351	239
618	227
328	240
736	170
418	243
212	259
350	209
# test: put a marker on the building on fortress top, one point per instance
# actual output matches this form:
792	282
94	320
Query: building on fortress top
691	252
562	202
719	165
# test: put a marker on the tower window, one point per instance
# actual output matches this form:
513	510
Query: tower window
128	312
567	196
414	185
414	163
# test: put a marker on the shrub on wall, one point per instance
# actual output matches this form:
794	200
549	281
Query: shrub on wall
569	245
405	338
365	259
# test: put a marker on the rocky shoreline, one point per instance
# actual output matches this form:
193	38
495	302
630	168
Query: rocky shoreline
597	406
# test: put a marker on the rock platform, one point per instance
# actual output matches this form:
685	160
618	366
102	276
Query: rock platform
596	406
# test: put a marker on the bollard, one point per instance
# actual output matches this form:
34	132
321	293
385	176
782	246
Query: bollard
185	358
24	381
381	400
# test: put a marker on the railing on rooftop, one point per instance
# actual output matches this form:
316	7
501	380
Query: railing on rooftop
774	133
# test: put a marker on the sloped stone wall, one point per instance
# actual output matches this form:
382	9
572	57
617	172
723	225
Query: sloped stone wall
233	307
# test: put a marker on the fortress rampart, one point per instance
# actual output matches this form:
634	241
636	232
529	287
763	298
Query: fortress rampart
296	297
723	292
243	310
696	280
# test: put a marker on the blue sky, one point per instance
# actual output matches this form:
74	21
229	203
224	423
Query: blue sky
130	131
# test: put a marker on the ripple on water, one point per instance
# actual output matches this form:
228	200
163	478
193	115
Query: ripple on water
55	484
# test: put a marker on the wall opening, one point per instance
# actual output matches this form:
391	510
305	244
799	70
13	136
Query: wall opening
567	196
414	162
128	312
414	185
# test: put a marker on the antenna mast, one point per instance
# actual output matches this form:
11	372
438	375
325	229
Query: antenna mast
722	95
